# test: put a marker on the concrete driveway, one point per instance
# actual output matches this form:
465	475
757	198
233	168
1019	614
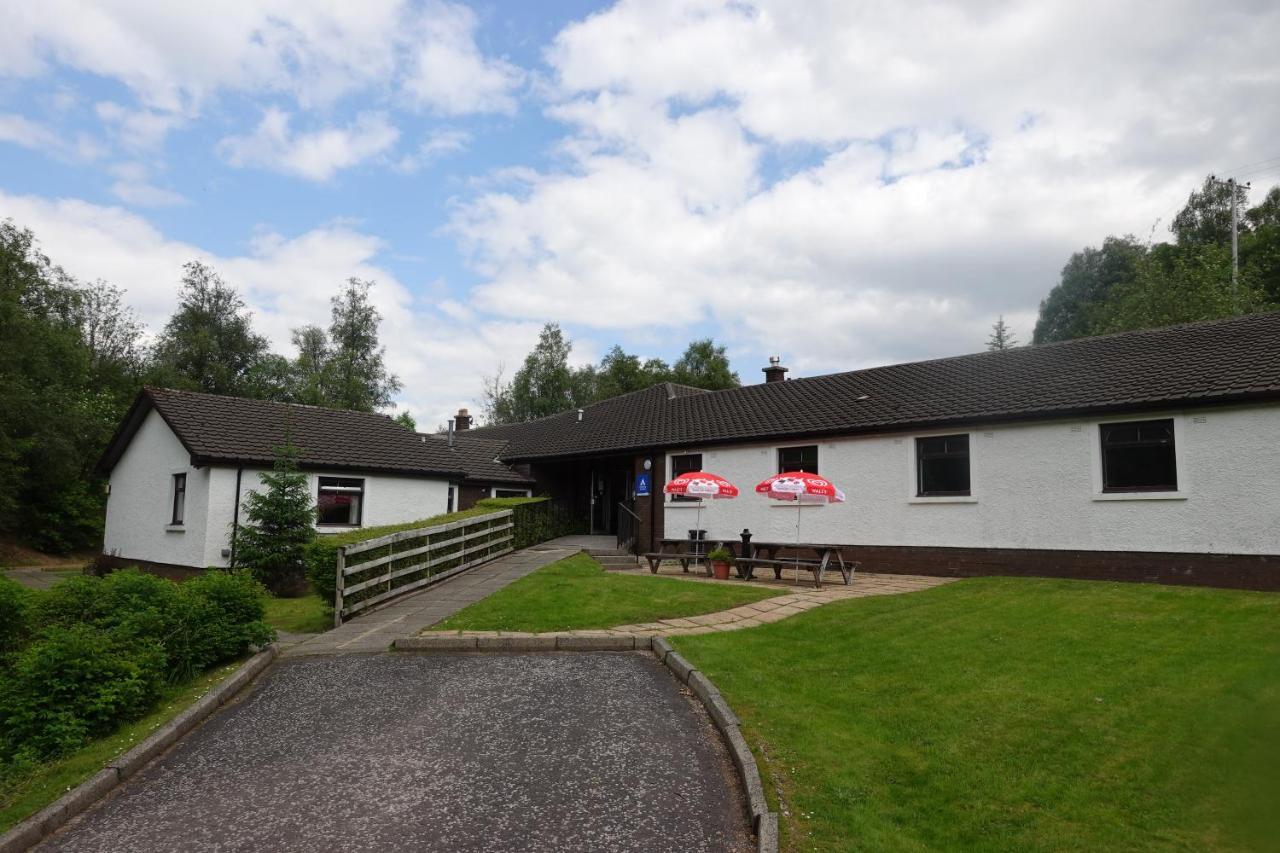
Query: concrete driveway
481	752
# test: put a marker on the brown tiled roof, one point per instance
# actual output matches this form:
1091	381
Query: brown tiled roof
1180	366
214	428
478	457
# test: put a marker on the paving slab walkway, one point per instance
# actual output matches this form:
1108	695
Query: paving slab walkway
557	752
865	584
41	577
374	632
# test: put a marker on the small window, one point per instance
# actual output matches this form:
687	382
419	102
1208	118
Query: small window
1139	457
683	464
942	465
449	504
798	459
179	499
341	501
511	493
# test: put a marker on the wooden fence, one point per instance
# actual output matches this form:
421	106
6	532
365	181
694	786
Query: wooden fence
377	570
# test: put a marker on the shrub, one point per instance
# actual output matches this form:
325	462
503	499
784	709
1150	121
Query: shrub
73	684
720	555
222	616
15	614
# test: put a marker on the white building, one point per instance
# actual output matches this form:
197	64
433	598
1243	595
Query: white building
182	462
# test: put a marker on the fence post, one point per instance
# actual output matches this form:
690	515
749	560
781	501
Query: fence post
339	586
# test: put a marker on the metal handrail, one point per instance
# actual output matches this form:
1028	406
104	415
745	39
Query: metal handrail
628	528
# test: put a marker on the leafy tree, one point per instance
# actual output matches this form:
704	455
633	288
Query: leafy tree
705	365
355	376
309	367
1179	284
406	420
1070	309
1001	336
113	335
656	370
1206	217
209	343
279	526
54	416
544	383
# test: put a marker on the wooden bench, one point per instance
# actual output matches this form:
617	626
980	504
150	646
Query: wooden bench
747	565
678	549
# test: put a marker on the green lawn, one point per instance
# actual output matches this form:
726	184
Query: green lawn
23	794
576	593
307	614
1013	714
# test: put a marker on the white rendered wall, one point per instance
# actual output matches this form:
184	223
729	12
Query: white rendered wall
388	499
140	505
1033	486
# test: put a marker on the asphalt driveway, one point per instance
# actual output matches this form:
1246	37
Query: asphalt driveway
480	752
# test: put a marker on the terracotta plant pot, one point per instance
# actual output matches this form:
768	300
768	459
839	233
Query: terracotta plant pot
720	569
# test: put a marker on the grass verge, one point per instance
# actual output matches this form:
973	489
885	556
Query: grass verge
25	792
307	614
1015	714
576	593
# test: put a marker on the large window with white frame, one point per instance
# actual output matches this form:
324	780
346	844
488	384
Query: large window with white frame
340	501
1139	456
942	466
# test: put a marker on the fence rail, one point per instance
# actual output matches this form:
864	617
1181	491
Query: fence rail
377	570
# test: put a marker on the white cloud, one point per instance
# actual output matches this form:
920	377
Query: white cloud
140	129
446	71
315	155
872	183
175	56
438	144
440	354
133	186
27	133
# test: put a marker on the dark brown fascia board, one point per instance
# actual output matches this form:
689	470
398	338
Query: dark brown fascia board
1024	416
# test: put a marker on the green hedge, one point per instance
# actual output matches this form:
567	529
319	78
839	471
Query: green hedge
91	653
537	519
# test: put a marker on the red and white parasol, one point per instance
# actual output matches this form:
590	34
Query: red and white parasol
803	488
701	484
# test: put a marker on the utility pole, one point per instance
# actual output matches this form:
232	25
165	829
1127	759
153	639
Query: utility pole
1235	241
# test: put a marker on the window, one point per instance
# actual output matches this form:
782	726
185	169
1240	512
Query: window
1139	457
942	465
683	464
179	499
798	459
511	493
340	501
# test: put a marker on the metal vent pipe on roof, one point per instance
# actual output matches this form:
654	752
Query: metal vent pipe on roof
579	414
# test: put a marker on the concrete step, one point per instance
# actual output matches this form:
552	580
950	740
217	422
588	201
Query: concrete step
608	552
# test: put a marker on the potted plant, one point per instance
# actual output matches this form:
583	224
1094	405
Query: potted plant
720	558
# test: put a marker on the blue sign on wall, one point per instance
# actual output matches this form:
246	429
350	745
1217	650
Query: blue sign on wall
642	484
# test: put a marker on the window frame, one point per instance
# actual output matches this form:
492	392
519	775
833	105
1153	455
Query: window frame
515	492
782	469
363	491
919	458
1099	449
671	475
178	499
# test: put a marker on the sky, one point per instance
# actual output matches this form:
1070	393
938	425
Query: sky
842	184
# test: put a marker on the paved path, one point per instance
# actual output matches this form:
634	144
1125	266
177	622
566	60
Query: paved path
374	632
41	578
761	612
544	752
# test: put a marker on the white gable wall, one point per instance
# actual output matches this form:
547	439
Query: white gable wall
1033	486
140	504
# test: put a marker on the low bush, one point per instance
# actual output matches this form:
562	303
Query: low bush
15	609
74	684
98	650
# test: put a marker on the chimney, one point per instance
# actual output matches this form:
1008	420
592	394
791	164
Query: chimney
462	420
775	372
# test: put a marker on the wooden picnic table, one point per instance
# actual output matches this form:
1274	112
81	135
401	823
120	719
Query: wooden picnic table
681	550
766	554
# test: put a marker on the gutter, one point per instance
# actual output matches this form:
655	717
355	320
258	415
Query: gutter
235	516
